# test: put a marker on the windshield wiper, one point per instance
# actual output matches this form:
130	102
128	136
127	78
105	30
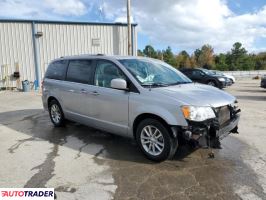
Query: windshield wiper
180	82
154	85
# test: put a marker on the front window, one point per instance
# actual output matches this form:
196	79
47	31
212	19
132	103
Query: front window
106	72
154	72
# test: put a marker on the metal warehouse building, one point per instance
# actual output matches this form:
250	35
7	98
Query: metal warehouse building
28	46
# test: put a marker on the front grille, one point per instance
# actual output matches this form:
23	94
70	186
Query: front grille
223	114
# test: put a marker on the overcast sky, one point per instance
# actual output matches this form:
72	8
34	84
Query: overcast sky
181	24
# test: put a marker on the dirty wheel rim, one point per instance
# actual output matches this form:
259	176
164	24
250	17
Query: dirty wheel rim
211	83
152	140
55	113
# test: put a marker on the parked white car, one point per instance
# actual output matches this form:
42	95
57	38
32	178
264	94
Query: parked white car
232	78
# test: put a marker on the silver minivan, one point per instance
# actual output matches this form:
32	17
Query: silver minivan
142	98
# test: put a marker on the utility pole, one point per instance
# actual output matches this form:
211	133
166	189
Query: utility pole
129	28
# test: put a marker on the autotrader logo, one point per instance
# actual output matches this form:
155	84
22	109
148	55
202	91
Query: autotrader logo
27	194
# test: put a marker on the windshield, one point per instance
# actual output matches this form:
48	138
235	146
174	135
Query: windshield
154	72
218	73
208	72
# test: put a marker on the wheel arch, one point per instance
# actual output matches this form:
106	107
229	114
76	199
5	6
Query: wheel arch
143	116
50	99
213	80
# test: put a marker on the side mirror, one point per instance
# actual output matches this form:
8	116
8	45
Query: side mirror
119	83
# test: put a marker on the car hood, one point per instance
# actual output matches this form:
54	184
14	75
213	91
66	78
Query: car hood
197	95
218	76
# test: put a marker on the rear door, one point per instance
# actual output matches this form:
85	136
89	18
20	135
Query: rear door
110	106
79	78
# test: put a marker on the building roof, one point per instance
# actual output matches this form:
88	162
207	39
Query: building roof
64	22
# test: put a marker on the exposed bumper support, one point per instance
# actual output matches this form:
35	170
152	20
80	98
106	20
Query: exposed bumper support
226	130
209	133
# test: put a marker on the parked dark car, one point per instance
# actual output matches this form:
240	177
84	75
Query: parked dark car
206	77
263	82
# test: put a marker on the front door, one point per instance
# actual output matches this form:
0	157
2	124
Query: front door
197	76
110	106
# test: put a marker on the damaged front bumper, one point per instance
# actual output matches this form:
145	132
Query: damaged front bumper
208	133
230	127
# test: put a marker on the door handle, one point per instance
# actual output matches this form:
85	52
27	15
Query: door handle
71	90
95	93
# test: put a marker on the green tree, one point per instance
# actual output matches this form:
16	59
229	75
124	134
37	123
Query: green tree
169	57
197	53
220	62
149	51
140	53
260	61
183	59
239	59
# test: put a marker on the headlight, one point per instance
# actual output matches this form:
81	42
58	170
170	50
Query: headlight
196	113
221	79
234	104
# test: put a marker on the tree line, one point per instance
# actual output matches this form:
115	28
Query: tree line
237	58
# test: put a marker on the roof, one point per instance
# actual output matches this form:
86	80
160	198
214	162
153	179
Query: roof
64	22
84	56
102	56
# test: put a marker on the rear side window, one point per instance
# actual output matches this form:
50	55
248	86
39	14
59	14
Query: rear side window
80	71
57	70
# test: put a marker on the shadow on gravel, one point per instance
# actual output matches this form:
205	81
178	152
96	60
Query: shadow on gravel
36	123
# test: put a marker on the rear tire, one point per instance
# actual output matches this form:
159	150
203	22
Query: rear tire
155	140
56	114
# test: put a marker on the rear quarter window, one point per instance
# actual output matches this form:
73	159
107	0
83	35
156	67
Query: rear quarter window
57	70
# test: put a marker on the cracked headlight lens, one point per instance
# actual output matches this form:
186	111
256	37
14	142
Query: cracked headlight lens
198	113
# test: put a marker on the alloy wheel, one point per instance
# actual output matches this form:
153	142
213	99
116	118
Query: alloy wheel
152	140
55	113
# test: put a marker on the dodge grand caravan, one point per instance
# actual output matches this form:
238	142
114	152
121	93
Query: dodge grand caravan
141	98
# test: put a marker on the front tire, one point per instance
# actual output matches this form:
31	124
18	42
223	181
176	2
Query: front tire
154	140
212	83
56	113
